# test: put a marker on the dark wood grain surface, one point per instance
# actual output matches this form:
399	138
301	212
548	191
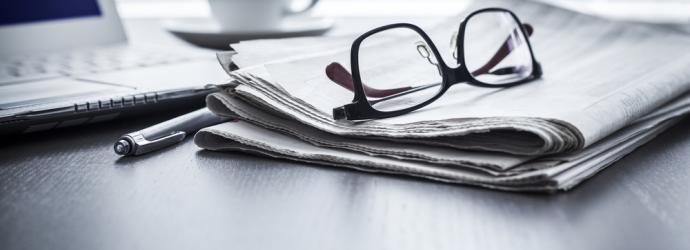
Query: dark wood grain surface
66	189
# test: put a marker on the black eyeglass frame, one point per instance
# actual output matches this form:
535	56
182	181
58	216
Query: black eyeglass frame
361	109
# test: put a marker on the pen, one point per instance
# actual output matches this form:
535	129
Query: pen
166	133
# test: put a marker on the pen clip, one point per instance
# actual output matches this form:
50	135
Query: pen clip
143	145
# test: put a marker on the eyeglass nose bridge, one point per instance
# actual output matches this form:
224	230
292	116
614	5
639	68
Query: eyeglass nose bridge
456	75
453	75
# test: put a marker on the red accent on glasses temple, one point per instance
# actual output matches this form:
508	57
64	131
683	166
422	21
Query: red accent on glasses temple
339	74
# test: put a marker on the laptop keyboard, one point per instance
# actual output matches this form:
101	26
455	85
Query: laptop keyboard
80	62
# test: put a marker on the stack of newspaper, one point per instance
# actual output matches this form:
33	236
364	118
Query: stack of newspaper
608	87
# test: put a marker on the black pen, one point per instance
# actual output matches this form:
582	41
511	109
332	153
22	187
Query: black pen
166	133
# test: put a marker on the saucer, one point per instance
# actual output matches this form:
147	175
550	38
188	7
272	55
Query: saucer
206	32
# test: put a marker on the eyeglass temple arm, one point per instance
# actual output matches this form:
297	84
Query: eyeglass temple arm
339	74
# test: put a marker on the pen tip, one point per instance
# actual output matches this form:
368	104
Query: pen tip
122	147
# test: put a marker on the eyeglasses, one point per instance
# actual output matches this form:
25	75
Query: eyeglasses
491	49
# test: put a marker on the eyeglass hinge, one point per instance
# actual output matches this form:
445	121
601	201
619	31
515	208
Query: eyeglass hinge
537	70
340	113
343	112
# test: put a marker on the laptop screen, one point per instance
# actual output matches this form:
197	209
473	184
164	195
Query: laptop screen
26	11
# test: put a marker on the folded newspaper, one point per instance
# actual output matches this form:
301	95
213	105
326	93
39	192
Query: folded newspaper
608	87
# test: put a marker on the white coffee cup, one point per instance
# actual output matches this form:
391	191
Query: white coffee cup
253	15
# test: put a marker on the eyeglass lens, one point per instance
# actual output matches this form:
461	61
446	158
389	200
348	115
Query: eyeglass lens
410	54
495	48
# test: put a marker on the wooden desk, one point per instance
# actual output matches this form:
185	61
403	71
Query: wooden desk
67	190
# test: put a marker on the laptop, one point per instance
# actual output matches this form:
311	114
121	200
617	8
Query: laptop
66	63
